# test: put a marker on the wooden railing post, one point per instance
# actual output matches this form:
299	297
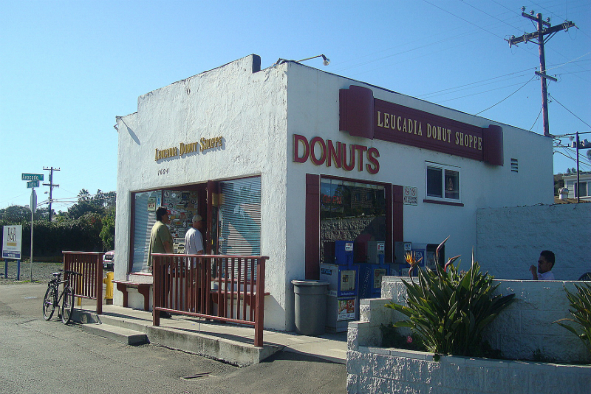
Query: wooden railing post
99	283
260	304
157	288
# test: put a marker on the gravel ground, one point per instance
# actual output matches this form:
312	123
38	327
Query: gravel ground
41	272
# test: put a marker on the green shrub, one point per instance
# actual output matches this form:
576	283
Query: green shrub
448	309
580	309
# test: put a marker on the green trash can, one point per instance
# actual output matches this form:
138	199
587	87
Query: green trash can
310	306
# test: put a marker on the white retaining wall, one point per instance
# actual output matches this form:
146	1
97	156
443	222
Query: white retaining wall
509	240
522	328
379	370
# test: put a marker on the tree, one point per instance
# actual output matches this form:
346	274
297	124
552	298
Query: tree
87	204
108	233
15	214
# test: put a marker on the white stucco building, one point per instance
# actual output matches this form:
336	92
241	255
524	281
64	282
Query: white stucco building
281	160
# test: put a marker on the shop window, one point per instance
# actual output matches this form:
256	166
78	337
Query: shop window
352	211
443	182
240	217
181	206
145	205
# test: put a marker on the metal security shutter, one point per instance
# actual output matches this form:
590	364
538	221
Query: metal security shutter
240	217
142	225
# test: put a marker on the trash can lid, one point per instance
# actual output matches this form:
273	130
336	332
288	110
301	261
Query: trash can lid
302	282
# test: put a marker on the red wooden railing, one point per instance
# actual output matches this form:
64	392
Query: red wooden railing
90	284
192	284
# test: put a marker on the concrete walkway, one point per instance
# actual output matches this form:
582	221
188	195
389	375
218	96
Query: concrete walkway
225	342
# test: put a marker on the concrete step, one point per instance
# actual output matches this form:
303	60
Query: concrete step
91	322
119	334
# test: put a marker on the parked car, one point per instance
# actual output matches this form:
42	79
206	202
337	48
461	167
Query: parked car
109	260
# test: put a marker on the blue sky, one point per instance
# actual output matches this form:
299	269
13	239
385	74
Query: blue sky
67	68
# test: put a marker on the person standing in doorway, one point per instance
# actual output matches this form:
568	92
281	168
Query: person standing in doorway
160	241
160	238
194	245
193	237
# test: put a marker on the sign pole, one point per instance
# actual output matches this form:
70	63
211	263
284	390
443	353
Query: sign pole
32	182
33	208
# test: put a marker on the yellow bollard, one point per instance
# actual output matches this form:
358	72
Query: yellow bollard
109	291
79	299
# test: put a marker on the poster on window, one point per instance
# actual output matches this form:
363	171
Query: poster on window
151	204
346	310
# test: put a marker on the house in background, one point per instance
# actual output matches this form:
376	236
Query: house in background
583	191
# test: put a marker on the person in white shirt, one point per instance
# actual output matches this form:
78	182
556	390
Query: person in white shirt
545	265
193	237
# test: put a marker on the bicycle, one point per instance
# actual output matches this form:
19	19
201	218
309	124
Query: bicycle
53	297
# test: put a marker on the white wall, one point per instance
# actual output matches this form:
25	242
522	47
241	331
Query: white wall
258	114
510	239
313	105
249	111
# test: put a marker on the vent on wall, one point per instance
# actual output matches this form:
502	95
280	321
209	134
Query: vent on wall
514	165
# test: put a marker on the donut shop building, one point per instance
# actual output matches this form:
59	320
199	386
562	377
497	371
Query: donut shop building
314	170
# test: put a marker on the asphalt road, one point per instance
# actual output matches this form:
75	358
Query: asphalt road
38	356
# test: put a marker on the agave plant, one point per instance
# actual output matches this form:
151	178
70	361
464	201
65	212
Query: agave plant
580	309
449	309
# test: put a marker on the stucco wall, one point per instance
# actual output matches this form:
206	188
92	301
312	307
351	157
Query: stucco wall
313	105
249	111
258	114
509	240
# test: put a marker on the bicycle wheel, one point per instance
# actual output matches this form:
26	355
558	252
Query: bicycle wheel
67	305
48	305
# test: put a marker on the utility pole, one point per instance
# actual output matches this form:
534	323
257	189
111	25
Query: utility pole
544	29
51	186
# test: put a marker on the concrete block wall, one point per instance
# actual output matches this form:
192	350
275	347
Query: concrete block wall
521	328
379	370
525	326
509	240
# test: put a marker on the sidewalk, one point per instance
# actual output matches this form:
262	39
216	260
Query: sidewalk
225	342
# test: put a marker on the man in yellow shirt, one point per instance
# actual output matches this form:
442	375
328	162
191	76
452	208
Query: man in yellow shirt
160	240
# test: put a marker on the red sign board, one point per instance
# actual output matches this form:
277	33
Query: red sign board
364	116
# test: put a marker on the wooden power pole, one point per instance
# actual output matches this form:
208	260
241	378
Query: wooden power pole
51	186
544	29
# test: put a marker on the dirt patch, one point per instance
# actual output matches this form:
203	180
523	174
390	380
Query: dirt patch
41	271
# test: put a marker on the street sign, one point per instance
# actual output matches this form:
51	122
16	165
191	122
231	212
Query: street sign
31	184
32	177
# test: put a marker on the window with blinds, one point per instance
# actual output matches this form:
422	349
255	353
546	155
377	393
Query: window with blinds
144	219
240	217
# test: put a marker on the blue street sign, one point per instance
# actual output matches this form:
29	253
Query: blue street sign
32	184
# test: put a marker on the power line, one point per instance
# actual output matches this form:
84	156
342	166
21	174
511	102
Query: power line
522	86
489	80
536	121
554	98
